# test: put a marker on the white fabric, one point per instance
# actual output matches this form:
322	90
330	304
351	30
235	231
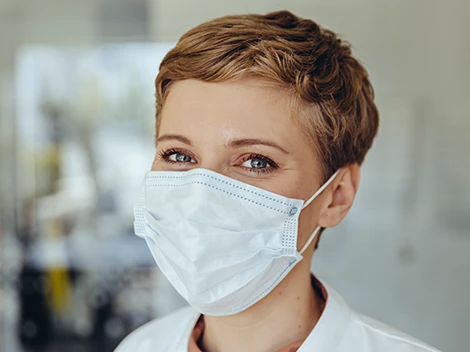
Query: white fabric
223	244
339	329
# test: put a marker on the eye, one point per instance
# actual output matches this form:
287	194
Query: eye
180	158
176	156
259	164
256	163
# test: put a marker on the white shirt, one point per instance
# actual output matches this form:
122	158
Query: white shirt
339	329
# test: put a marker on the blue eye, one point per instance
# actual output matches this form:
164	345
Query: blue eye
180	158
259	164
175	156
256	163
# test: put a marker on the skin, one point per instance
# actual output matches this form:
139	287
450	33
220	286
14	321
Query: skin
213	126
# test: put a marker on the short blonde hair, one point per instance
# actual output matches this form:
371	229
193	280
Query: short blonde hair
332	91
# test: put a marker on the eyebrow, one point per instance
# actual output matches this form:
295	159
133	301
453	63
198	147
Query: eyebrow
237	143
253	141
173	137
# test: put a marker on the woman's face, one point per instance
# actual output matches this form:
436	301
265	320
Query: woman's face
243	130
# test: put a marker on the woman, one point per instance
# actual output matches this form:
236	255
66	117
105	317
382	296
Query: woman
262	124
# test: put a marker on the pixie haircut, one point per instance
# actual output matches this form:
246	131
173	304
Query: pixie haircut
330	90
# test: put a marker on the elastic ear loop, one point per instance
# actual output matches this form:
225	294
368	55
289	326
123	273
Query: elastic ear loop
321	189
312	236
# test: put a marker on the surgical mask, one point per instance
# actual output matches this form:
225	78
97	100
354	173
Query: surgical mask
223	244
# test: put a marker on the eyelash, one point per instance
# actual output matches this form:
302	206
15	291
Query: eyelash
165	155
272	165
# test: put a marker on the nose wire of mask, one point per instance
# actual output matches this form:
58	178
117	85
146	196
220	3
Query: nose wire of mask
317	229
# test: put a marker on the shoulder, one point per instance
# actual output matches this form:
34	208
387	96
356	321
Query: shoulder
160	334
366	334
377	336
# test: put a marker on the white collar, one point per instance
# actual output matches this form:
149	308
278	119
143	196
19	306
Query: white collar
332	325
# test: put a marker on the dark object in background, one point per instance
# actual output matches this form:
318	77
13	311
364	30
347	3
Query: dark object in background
36	327
35	320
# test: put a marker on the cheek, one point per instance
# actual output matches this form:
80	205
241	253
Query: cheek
156	164
293	184
285	183
308	220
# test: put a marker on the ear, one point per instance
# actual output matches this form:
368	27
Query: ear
339	196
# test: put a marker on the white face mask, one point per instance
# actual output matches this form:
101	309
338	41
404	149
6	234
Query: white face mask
223	244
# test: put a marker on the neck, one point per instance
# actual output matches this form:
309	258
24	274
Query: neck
288	314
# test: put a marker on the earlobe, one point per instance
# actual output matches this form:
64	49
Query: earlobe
341	196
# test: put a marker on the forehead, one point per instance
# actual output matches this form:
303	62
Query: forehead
250	108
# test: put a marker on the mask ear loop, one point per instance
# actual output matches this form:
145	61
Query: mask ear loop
312	236
321	189
317	229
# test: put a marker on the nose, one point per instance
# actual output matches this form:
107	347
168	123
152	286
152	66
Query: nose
215	158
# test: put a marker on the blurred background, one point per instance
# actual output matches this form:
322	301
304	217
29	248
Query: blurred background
76	136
